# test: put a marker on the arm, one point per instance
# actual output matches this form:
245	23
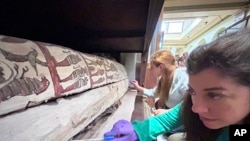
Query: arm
150	128
146	130
147	92
137	86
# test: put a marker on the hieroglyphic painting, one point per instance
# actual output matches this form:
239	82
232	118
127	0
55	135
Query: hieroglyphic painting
35	71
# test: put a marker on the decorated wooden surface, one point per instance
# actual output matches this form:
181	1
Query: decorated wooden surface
104	124
34	72
63	118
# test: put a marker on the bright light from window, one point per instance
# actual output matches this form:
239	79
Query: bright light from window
163	27
175	27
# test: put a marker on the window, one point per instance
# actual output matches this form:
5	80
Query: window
175	27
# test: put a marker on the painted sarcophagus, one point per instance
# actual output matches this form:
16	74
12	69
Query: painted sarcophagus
51	92
34	72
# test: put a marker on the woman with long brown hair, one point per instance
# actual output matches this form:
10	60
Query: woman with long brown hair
218	95
172	81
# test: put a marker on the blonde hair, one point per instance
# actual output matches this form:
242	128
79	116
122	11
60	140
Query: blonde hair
166	58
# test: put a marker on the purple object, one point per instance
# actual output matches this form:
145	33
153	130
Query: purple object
123	131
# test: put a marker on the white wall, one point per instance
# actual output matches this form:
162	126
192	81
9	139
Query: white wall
129	61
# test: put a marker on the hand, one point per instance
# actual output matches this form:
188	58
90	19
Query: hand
150	101
123	131
135	83
159	111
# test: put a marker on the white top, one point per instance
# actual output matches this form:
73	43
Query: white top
178	88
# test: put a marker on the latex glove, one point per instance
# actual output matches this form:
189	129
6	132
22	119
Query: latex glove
123	131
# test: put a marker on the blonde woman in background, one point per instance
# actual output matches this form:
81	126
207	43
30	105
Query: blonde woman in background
172	81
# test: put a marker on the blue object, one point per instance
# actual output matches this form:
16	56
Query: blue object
108	137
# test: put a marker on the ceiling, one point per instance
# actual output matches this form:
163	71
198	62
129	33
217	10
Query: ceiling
112	26
210	13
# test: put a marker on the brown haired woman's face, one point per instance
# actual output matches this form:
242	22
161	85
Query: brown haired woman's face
218	101
156	70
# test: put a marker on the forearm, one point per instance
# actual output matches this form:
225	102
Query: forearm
140	88
150	128
149	92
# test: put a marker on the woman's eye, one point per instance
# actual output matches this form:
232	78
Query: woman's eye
215	95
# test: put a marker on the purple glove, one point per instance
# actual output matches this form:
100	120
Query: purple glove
123	131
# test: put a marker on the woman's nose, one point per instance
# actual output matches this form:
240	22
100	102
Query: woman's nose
199	106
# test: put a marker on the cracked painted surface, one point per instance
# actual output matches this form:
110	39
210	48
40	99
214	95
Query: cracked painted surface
32	72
